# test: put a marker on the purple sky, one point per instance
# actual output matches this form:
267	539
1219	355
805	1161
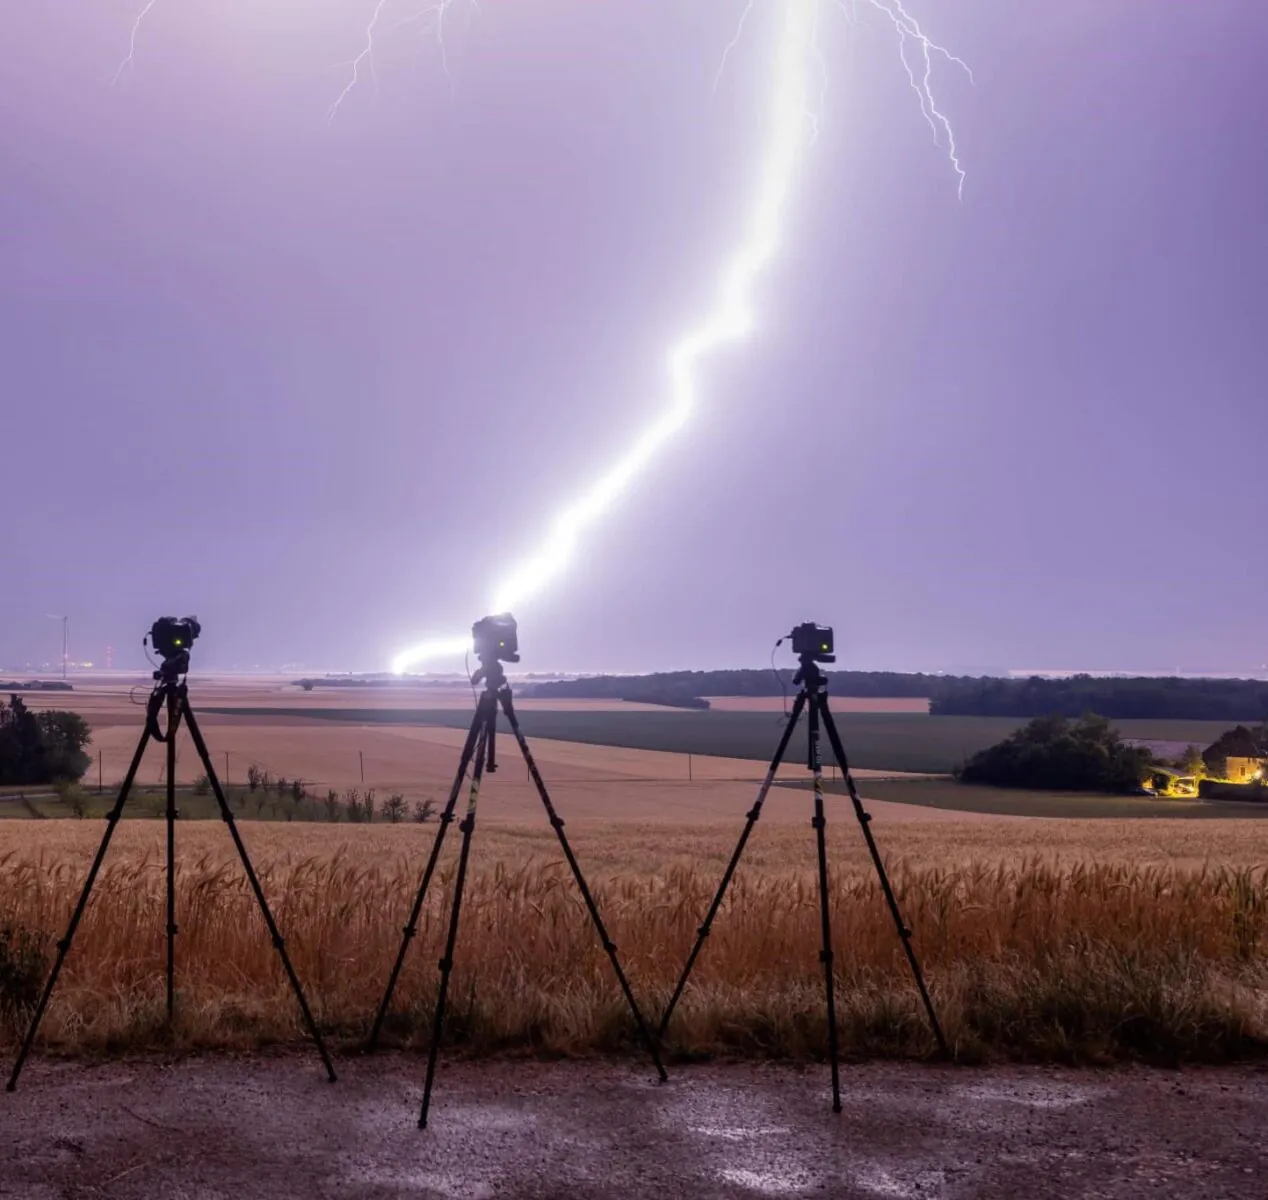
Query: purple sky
323	384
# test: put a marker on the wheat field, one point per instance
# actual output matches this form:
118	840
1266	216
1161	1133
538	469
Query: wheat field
1070	941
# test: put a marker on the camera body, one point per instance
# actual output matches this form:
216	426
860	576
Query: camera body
173	636
814	642
496	638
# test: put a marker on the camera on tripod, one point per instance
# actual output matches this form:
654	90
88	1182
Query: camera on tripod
814	642
173	636
496	638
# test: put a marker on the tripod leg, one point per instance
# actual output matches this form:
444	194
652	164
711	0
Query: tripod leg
226	814
864	820
446	817
491	738
467	826
173	723
112	820
825	954
557	824
752	816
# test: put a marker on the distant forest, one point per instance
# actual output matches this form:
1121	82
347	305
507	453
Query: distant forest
957	695
1118	699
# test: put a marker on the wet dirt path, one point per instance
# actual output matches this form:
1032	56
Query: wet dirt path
272	1127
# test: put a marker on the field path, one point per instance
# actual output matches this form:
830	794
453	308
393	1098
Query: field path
272	1127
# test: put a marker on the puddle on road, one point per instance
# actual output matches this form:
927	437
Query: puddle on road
767	1182
428	1183
1031	1095
916	1185
739	1133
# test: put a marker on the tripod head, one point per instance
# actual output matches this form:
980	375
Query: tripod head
809	676
171	669
489	673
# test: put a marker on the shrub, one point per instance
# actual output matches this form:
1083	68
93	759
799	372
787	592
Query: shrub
1053	752
44	747
74	797
394	808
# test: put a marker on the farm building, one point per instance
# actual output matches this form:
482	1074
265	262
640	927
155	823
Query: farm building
1238	756
1243	769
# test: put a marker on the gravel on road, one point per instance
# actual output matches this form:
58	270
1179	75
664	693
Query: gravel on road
273	1127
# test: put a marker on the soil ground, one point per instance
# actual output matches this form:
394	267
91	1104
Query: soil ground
273	1127
587	781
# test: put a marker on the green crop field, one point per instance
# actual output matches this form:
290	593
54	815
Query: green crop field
1012	802
881	741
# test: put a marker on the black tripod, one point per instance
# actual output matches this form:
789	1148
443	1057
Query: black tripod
814	697
480	744
170	692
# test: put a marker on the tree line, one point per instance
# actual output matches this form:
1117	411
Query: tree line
1119	698
645	688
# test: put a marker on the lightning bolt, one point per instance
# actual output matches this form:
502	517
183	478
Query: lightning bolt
729	321
794	125
136	28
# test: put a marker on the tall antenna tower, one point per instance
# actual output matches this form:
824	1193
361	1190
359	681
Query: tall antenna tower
65	639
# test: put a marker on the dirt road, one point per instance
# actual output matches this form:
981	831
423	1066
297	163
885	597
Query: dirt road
266	1127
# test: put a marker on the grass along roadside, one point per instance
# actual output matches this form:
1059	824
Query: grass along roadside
1039	956
149	802
947	794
